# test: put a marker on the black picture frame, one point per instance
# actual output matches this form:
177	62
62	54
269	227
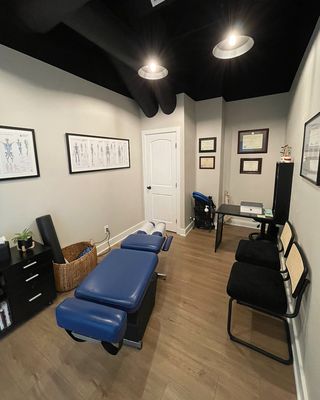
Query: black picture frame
203	158
249	171
244	148
82	164
20	144
211	140
310	157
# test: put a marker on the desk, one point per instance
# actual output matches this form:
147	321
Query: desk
234	210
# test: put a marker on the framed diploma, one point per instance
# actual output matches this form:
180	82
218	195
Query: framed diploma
207	145
310	160
250	165
253	141
207	162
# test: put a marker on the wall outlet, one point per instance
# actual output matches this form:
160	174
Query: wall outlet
106	228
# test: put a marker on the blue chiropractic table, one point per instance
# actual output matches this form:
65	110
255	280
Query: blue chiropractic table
114	302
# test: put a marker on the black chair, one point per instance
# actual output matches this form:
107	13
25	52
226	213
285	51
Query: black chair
265	253
263	289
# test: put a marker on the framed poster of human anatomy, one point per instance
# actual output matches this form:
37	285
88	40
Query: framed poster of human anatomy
96	153
18	153
310	160
253	141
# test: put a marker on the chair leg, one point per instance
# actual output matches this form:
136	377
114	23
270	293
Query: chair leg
251	346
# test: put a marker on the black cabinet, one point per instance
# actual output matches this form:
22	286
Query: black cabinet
282	192
26	285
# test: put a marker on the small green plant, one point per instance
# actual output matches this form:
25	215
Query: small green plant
24	235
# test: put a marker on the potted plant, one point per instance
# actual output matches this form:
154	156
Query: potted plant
23	240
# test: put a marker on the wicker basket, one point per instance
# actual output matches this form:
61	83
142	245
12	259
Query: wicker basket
68	276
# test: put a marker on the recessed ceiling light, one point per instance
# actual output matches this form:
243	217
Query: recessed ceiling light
153	71
233	46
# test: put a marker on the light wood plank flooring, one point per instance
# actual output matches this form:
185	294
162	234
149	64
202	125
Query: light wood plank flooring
186	355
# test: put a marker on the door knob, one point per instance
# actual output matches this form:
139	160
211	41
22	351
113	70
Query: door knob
148	187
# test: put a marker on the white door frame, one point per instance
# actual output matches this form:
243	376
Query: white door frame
147	132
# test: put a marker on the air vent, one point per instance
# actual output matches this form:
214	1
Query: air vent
156	2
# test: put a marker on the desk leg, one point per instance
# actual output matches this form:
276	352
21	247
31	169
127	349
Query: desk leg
219	231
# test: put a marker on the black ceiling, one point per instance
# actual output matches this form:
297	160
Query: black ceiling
181	33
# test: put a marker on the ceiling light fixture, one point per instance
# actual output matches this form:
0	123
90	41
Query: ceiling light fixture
153	71
233	46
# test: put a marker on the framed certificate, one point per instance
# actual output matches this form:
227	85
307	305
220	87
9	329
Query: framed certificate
250	165
207	145
207	162
310	160
253	141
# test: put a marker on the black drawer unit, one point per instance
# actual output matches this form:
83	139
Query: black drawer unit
26	285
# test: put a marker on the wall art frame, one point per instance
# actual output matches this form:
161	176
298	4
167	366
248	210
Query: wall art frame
89	153
250	165
18	153
207	162
310	158
207	145
253	141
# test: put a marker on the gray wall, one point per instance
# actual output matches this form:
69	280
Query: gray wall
37	95
261	112
209	124
304	213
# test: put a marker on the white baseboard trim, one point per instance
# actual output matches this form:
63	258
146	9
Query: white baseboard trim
245	222
118	238
299	376
186	230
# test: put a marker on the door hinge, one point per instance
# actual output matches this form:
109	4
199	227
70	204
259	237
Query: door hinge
175	145
176	221
176	185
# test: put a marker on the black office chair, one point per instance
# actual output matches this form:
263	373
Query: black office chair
263	289
265	253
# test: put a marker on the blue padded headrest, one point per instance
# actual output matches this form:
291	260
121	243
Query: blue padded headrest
201	197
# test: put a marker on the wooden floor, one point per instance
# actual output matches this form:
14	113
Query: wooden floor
186	354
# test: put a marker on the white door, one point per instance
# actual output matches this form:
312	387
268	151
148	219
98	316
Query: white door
160	172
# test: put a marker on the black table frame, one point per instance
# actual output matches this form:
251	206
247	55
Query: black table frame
234	210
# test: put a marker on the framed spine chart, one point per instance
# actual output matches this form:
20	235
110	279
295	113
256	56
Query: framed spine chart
88	153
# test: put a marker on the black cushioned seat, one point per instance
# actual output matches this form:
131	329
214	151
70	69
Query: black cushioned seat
259	286
259	252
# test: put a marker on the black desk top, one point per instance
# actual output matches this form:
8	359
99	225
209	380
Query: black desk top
233	209
18	256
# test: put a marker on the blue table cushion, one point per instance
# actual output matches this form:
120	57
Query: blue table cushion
150	243
92	320
120	280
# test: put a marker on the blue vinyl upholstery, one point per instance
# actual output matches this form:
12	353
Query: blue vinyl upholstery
92	320
150	243
120	280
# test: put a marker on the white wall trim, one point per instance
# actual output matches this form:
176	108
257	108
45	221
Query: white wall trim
175	129
185	231
299	375
246	222
118	238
